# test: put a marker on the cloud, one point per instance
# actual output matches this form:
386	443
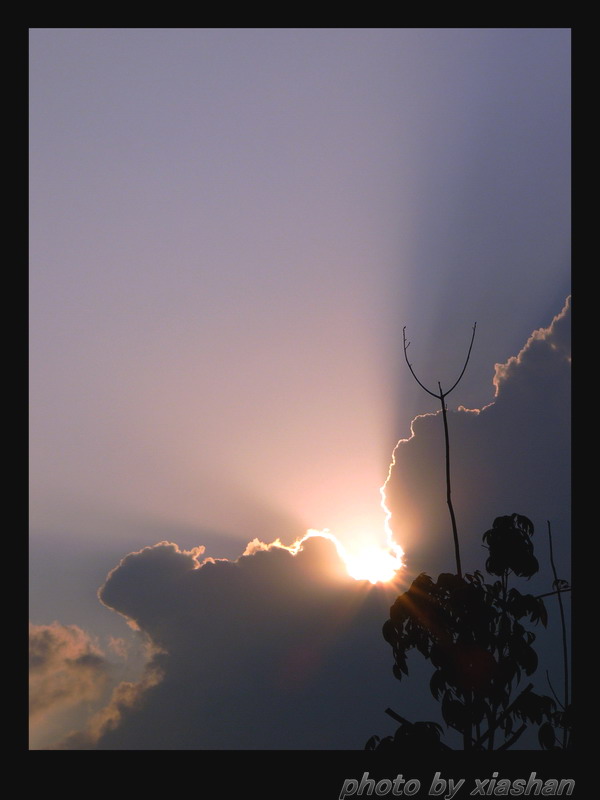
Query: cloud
125	698
540	367
65	668
71	682
265	652
509	456
281	649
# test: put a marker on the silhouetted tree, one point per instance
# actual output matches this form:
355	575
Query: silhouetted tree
478	638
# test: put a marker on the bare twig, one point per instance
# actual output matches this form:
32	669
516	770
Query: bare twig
456	382
466	362
441	395
552	690
391	713
406	344
550	594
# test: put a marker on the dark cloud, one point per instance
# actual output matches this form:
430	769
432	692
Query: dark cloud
273	651
280	650
510	456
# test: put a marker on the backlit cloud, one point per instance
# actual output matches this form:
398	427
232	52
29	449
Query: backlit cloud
281	648
125	698
65	668
264	652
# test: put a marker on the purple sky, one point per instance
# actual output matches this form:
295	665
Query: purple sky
229	229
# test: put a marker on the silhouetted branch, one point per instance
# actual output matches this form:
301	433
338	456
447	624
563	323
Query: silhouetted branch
406	344
465	366
441	397
556	591
516	735
503	716
457	381
391	713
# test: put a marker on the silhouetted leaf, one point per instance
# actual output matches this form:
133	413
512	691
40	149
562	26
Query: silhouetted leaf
389	631
400	667
446	580
507	668
523	523
517	604
528	660
454	712
437	683
546	736
533	707
478	709
525	565
543	613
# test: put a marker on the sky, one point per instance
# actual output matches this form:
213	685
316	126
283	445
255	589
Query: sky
229	230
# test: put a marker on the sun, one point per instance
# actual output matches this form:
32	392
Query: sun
373	564
367	562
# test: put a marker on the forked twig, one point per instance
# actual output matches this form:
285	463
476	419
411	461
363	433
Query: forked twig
441	396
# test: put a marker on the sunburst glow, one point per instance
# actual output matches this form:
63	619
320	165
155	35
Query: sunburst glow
373	564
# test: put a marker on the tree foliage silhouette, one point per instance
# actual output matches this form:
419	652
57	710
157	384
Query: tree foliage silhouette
478	638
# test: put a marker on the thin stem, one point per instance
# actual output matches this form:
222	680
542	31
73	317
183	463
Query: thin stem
441	397
394	715
468	732
448	487
501	646
564	630
552	690
550	594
